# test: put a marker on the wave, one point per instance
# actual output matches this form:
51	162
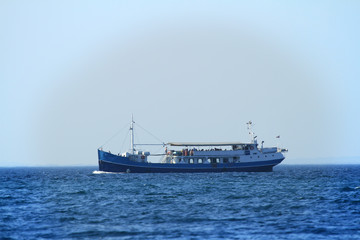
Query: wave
102	172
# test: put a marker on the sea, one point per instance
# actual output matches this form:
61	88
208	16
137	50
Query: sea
292	202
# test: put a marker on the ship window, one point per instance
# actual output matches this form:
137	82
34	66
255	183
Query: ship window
200	160
213	160
191	160
265	155
225	160
218	160
209	160
258	156
236	159
180	159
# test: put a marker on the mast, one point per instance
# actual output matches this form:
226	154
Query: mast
132	134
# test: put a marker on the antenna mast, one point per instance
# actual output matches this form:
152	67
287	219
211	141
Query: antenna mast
132	134
251	133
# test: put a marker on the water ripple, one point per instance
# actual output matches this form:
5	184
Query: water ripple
293	202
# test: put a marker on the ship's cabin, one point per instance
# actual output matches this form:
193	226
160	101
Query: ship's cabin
244	146
213	153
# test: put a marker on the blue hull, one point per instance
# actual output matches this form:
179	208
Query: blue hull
112	163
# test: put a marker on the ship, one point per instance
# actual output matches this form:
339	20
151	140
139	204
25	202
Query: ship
194	157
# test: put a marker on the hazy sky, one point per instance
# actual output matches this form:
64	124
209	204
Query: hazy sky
73	72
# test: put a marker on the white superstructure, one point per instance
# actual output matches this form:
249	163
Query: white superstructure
221	152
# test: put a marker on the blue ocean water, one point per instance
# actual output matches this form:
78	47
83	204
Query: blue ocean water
293	202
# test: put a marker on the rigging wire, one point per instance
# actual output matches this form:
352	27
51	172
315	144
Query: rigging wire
126	136
113	136
158	139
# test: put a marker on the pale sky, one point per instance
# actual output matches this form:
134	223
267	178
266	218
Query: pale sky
73	72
